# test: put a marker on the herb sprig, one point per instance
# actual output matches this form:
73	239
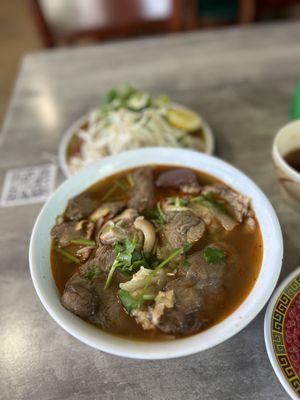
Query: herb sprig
158	215
212	255
129	302
129	258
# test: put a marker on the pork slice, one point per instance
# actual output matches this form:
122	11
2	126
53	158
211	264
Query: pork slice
183	179
142	195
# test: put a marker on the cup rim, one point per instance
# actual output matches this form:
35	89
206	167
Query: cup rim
278	158
252	304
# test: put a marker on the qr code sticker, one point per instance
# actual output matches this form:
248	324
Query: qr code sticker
28	185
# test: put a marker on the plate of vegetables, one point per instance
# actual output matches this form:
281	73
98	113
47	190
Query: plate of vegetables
129	119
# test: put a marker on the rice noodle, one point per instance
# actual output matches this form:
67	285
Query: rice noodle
118	130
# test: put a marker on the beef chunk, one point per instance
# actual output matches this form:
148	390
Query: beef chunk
142	195
110	313
182	179
67	231
206	276
104	257
183	227
183	317
210	215
80	207
184	304
79	297
237	203
89	300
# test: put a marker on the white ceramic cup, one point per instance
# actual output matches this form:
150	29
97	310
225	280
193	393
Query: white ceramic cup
39	254
286	140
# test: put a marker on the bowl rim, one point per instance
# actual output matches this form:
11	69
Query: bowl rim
77	124
268	337
248	309
278	158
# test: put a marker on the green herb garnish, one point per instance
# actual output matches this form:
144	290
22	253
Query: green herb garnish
128	301
148	297
209	202
212	255
130	180
67	255
179	201
158	215
92	273
85	242
129	258
185	248
185	264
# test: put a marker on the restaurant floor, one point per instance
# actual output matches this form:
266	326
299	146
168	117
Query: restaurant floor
17	36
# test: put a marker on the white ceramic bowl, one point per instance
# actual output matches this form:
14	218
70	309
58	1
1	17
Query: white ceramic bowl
286	140
39	254
65	141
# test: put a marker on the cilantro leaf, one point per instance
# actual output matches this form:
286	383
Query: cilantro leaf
129	258
128	301
212	255
158	215
185	264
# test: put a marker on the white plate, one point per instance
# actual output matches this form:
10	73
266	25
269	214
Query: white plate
39	254
74	128
274	333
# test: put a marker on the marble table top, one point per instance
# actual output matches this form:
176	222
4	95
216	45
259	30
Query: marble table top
242	80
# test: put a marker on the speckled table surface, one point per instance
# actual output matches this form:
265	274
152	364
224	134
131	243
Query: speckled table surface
242	81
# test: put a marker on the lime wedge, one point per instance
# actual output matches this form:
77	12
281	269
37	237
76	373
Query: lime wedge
184	119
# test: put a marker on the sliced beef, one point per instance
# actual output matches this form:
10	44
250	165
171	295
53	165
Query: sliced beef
182	227
182	179
184	303
142	196
84	253
104	257
211	214
67	231
80	207
109	314
184	316
236	202
89	300
79	297
206	276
